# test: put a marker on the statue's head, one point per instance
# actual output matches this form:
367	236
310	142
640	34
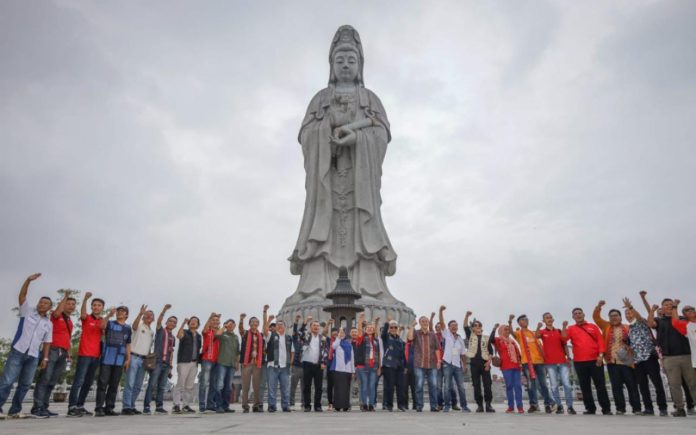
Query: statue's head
346	57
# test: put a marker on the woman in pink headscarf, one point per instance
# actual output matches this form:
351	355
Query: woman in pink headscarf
509	354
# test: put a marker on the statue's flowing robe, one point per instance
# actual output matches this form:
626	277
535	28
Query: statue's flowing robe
318	253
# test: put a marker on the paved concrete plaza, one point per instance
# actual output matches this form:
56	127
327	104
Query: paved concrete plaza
354	422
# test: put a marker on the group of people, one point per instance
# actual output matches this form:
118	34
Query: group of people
274	357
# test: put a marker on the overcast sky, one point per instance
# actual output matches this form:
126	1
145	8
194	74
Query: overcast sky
543	153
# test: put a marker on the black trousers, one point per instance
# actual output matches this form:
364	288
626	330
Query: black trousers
588	373
650	369
341	383
311	373
394	378
329	386
480	375
107	386
411	384
620	375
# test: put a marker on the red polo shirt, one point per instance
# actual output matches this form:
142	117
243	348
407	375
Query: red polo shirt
587	341
553	346
62	329
90	341
211	347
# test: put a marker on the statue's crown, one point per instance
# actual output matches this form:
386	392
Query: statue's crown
346	37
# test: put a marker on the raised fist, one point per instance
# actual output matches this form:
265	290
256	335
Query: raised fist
34	276
266	307
565	324
186	320
88	295
539	325
167	307
271	317
496	326
469	313
298	317
241	316
601	303
511	317
443	308
676	302
655	307
643	293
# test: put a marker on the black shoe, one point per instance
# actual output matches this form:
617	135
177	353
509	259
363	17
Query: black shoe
307	409
246	410
176	409
39	413
456	408
679	413
146	411
489	408
228	411
83	411
434	410
363	408
559	409
127	411
571	411
257	409
648	412
111	413
548	409
618	412
219	411
609	413
402	409
664	413
479	409
271	409
587	412
419	409
532	409
371	408
74	412
187	409
99	412
318	409
161	411
284	410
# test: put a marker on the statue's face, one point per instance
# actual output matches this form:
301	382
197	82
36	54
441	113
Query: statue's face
346	66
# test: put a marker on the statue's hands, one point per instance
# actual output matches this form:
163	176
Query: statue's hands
347	140
341	132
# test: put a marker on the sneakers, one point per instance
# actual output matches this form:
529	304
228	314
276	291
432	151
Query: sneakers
445	409
465	409
520	410
83	411
559	409
176	409
74	412
456	408
39	413
228	411
532	409
161	411
679	413
547	409
50	413
187	409
571	411
146	411
509	411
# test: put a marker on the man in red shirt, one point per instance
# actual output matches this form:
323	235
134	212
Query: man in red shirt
58	355
556	362
87	356
588	359
209	356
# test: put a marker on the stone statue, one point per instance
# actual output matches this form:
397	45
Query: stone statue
344	137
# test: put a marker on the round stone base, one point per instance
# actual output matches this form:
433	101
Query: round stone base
371	307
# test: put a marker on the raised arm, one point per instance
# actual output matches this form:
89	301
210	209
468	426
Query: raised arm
83	308
629	306
206	326
265	319
180	332
161	316
441	317
141	313
105	320
597	315
411	328
361	320
61	306
537	333
644	297
25	288
431	326
511	317
241	324
651	316
677	323
564	331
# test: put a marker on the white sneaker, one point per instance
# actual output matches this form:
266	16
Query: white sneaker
18	415
2	416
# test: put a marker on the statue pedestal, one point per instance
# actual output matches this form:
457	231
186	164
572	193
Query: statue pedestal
372	308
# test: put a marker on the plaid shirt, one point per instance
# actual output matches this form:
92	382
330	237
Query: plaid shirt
426	347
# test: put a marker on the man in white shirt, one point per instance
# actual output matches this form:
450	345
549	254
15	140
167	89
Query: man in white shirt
141	345
279	355
34	329
453	361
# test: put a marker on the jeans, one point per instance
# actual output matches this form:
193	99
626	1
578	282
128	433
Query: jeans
206	386
276	375
295	379
421	374
85	371
539	382
57	360
650	369
134	381
560	372
480	375
19	367
441	394
223	385
588	373
453	372
513	387
368	382
107	386
620	375
156	385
